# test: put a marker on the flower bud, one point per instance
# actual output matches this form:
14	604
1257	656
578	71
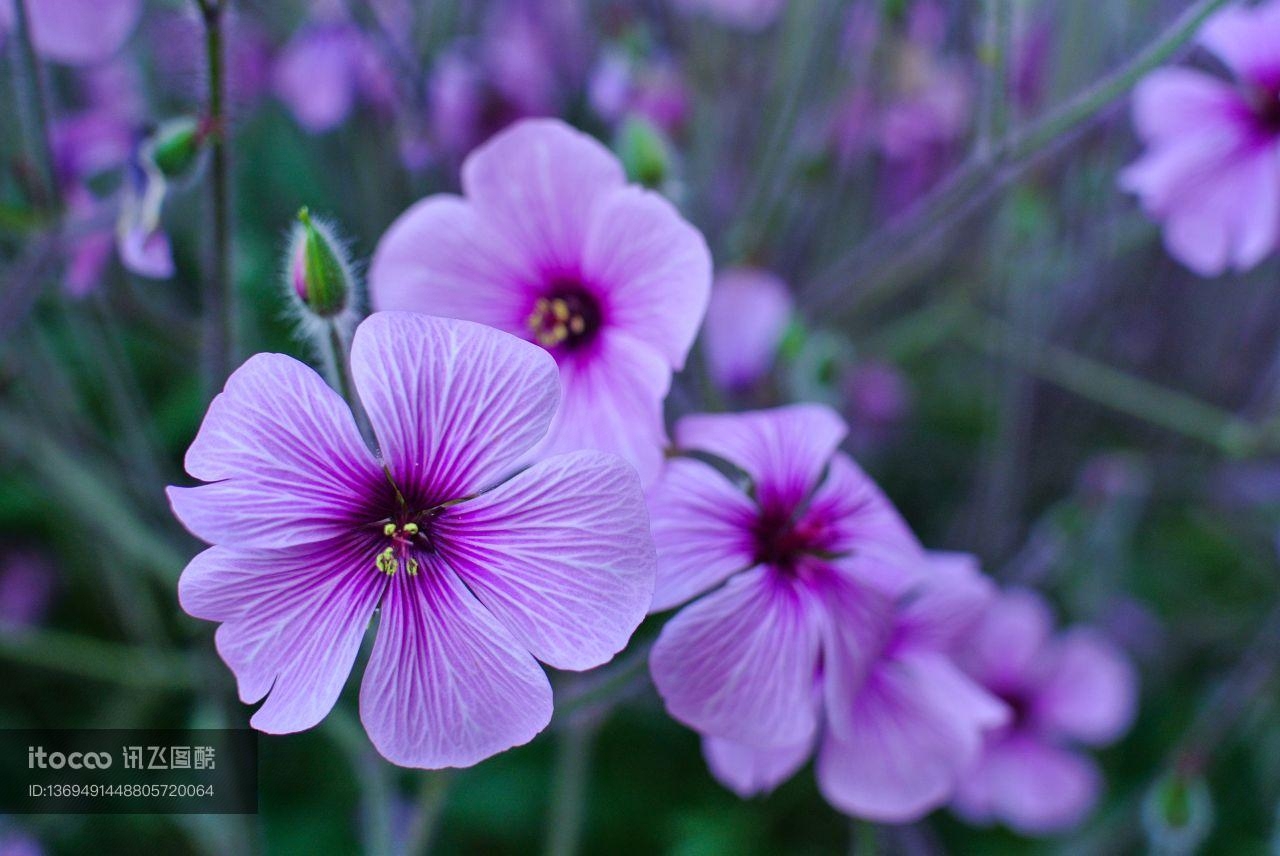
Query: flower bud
1177	814
645	152
318	270
175	145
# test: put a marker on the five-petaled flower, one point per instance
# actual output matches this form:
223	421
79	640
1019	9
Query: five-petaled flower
826	624
474	577
1211	173
552	244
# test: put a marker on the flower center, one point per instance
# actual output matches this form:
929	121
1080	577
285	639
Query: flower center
782	541
1266	108
567	317
1019	707
406	535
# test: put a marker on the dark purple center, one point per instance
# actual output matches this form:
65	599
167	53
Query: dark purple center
404	535
781	541
1019	706
568	316
1266	108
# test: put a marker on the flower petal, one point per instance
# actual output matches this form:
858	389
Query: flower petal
949	604
77	32
653	268
440	258
292	622
612	402
750	772
1005	647
919	724
447	684
1035	788
561	555
783	450
741	662
701	528
1173	103
1245	39
539	182
288	463
746	319
454	404
1089	691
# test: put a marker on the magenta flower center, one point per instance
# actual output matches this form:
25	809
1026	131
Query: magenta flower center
781	540
405	536
1265	101
567	317
1019	707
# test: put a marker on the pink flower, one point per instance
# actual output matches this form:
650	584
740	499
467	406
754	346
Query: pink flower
1075	687
76	32
1211	172
550	243
747	316
796	639
474	577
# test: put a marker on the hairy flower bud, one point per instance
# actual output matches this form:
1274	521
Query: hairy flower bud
318	269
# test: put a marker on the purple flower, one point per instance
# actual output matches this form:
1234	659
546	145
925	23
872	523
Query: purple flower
325	70
620	85
796	639
474	577
553	245
747	316
1075	687
1211	172
76	32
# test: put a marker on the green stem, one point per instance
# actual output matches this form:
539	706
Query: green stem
37	105
569	788
432	796
220	289
615	682
110	662
375	780
874	261
997	28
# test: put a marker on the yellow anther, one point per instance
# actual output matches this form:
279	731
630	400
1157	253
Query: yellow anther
386	561
413	567
560	309
411	529
577	324
389	529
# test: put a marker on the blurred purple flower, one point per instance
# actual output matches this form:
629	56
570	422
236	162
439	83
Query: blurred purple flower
26	589
142	243
746	319
743	14
795	638
550	243
474	577
621	85
326	69
177	41
76	32
1075	687
1211	172
879	398
19	842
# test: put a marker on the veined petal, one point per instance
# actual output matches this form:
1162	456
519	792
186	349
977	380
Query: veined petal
701	528
447	684
783	450
439	257
288	463
750	772
949	603
740	663
918	726
539	182
654	268
561	555
612	402
454	404
292	622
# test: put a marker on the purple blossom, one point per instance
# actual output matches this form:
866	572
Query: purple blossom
76	32
1211	172
325	70
474	577
621	85
1073	687
550	243
746	319
800	637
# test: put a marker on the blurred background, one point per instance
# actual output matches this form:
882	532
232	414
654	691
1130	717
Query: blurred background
1026	372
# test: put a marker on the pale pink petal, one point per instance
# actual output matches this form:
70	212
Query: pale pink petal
701	528
919	726
561	554
1172	103
1089	689
292	622
77	32
653	268
454	404
540	183
750	772
447	684
1245	38
949	604
1035	788
612	402
740	663
861	631
286	460
783	450
747	316
440	258
1005	646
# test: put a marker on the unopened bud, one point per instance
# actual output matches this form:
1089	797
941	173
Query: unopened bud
644	152
318	270
175	145
1177	814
